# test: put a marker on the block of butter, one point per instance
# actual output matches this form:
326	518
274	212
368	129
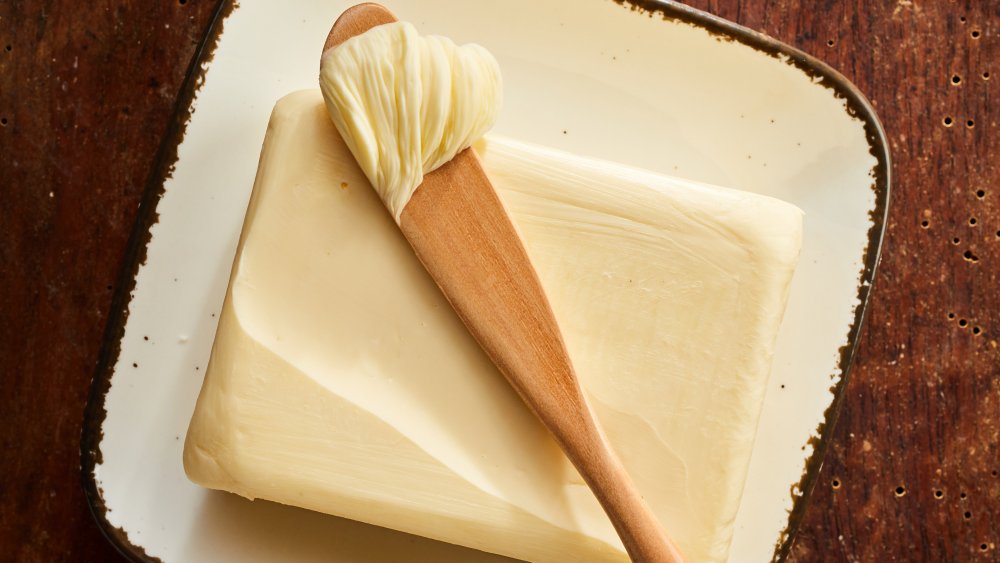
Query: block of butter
341	381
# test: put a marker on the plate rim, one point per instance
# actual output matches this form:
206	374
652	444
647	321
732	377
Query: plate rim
857	105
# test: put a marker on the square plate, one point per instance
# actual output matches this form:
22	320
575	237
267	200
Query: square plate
656	85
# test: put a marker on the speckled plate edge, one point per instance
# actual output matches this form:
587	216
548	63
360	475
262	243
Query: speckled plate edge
857	106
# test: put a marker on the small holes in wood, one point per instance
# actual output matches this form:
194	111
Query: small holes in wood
3	121
925	223
956	79
951	316
983	547
831	43
835	483
956	240
976	330
900	491
963	496
986	74
947	121
939	494
970	123
967	515
980	194
962	19
10	48
972	221
970	256
975	34
963	323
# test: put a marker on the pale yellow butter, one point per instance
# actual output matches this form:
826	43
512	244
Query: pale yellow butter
405	104
341	381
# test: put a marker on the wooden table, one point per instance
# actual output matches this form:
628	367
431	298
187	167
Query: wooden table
87	93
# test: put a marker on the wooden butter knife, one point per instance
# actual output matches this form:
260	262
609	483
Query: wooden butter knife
462	234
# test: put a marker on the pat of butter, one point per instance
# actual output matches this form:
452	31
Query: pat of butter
341	380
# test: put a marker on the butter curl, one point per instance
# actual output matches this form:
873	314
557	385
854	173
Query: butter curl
406	104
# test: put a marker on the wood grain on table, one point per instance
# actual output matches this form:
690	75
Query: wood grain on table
87	92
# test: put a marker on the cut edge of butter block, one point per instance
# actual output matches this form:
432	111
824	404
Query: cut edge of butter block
341	381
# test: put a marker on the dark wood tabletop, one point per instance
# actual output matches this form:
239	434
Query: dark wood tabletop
87	94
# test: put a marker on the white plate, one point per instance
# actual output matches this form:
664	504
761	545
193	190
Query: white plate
688	95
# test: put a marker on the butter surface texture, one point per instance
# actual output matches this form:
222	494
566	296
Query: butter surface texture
341	380
405	104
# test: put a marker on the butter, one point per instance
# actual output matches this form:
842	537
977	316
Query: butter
405	104
341	380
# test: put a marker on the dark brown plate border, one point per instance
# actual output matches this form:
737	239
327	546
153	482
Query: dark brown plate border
856	105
